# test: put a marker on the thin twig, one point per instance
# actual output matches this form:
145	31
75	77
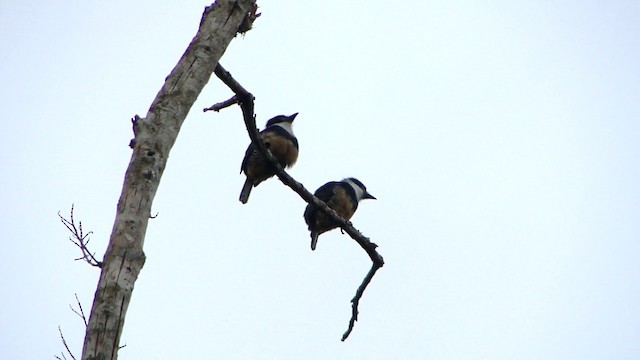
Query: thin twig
80	239
245	100
81	313
64	342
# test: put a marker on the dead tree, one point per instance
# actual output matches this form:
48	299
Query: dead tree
155	135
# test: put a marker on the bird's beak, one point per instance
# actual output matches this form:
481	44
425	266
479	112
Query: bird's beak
292	117
369	196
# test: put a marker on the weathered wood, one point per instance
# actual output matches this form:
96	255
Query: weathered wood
155	135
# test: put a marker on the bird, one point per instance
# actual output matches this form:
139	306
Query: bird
278	137
343	197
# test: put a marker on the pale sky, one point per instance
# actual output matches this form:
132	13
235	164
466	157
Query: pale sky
500	138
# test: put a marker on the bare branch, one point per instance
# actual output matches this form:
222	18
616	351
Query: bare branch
223	104
356	299
64	342
245	100
81	312
80	239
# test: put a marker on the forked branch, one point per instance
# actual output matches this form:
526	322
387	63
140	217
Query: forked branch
64	342
80	311
246	101
80	239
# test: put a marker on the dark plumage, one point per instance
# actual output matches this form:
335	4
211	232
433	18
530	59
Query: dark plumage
343	197
278	137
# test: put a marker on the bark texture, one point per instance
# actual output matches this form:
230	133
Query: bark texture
155	135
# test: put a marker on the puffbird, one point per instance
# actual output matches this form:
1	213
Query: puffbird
278	137
343	197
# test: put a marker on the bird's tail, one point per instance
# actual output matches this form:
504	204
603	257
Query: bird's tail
314	239
246	191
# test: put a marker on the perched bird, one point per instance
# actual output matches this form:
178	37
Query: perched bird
278	137
343	197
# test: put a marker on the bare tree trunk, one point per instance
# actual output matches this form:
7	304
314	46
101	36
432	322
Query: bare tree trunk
154	136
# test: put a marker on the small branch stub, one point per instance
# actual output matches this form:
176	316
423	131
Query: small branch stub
247	23
134	124
221	105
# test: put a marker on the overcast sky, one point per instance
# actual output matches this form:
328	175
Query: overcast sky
500	138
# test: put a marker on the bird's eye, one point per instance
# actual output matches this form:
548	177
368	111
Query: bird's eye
267	144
